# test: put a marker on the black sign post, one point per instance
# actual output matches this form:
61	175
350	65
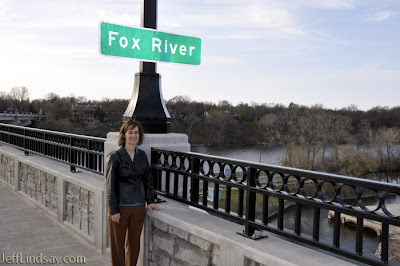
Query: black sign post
147	104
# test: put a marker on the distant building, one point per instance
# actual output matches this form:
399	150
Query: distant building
84	113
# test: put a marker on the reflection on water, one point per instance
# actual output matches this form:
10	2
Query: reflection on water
393	177
347	231
276	156
257	154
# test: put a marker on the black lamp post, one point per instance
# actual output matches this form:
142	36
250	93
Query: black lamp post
147	104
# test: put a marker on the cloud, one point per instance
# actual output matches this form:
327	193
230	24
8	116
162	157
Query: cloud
3	12
253	15
326	4
219	60
383	15
3	4
49	15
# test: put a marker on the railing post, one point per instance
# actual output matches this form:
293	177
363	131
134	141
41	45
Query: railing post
194	182
359	235
385	242
154	171
316	222
72	168
91	159
155	174
228	192
250	203
9	135
216	196
44	150
205	192
24	141
240	203
265	218
336	230
297	222
281	209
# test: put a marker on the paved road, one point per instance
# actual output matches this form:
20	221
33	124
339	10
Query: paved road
29	234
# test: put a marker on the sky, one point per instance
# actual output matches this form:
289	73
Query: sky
334	53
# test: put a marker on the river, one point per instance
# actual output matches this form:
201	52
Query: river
276	156
258	154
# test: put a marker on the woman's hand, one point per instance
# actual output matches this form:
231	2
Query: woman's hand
115	217
152	206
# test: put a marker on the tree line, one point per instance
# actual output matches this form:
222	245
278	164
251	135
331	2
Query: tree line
57	111
347	140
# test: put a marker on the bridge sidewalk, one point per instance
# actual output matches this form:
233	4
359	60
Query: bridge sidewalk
28	232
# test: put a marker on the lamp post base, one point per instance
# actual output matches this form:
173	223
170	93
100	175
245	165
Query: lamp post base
147	104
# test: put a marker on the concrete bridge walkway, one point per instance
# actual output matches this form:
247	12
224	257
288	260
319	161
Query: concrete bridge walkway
31	236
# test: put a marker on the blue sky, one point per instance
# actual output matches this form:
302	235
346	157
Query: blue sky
330	52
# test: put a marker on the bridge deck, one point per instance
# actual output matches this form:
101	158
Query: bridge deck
26	231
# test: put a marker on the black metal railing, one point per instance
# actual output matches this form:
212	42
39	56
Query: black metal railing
76	150
250	189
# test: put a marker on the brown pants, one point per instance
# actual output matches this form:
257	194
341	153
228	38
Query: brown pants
127	231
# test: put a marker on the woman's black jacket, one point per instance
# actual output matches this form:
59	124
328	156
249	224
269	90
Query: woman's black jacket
127	181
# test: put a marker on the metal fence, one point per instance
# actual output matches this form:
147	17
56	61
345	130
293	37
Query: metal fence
76	150
247	189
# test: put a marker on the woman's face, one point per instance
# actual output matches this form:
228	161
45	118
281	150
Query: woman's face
132	136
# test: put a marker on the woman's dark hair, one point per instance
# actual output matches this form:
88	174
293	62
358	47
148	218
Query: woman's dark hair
130	124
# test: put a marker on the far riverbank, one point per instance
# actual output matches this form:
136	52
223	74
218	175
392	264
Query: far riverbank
271	155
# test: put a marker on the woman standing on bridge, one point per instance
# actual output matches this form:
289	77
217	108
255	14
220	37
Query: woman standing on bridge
129	185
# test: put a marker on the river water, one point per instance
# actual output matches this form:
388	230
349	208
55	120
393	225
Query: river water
258	154
276	156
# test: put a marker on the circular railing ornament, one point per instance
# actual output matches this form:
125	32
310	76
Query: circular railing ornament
326	191
291	184
369	193
205	168
235	173
385	208
215	170
309	188
346	193
260	176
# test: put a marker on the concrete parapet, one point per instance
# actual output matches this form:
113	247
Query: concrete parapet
80	208
39	185
75	200
182	235
7	166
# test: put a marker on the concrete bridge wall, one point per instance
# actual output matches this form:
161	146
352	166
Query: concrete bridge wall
73	199
177	235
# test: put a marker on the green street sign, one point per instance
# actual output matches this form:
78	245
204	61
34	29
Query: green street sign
149	44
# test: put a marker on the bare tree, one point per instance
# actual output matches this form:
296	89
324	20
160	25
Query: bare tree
51	96
355	162
5	101
267	127
216	122
309	126
19	95
387	146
